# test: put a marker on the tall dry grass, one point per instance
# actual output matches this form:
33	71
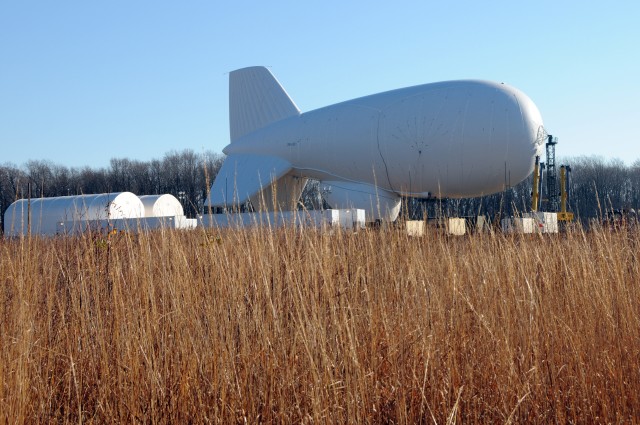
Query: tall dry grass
317	326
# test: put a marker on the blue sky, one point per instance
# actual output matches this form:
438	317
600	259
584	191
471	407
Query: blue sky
85	81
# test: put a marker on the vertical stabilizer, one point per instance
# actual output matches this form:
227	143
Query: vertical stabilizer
256	99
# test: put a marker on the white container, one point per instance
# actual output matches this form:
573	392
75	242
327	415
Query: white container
133	225
310	218
544	222
456	226
518	225
352	218
414	227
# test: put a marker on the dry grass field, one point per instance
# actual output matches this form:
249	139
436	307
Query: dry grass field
293	326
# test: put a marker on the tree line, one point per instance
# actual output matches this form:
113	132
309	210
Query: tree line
597	185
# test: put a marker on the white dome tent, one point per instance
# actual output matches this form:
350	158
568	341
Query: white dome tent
49	216
161	206
165	211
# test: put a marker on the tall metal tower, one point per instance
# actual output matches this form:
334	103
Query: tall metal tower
553	195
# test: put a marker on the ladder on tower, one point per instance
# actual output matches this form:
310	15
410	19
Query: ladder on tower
553	194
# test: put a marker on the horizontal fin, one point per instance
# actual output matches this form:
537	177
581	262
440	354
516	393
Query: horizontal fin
244	176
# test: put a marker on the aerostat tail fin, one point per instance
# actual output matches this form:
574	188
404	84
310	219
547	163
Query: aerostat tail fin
256	99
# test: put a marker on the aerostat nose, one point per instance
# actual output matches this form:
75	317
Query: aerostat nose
531	121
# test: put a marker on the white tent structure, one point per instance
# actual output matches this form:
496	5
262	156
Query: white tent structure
48	216
161	206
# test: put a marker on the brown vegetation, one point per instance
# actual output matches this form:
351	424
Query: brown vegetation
318	326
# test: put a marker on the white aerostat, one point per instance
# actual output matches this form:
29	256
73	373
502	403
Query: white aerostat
450	139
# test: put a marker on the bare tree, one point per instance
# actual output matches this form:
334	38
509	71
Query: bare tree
596	185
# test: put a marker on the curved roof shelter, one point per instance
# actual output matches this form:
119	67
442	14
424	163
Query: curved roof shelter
48	214
161	206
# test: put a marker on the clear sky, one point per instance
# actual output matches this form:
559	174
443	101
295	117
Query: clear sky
84	81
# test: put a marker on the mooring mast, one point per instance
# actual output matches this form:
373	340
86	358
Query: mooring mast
553	196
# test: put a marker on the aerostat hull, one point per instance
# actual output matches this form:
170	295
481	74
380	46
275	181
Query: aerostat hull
450	139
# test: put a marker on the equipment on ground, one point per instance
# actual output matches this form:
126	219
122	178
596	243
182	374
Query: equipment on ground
556	194
563	214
